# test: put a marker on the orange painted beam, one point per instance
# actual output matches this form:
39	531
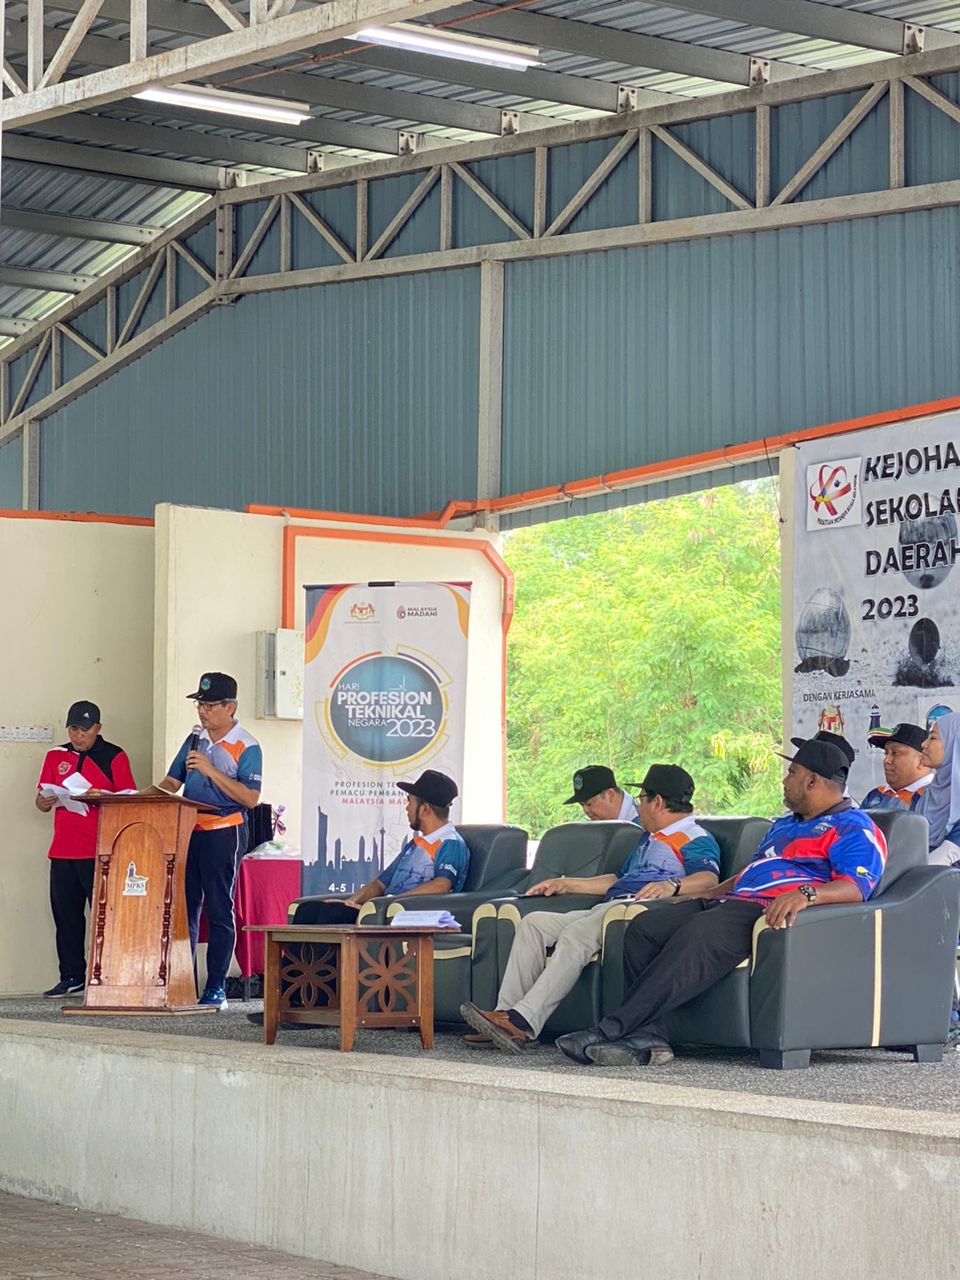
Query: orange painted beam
81	517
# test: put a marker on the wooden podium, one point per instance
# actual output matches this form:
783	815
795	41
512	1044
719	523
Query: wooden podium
140	961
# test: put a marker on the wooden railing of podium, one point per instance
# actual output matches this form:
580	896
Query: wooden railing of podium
140	960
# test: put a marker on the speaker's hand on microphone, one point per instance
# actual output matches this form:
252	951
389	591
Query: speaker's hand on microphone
197	760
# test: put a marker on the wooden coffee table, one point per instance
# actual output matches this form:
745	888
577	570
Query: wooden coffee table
348	976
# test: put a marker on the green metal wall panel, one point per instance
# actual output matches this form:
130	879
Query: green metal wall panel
630	357
358	397
11	463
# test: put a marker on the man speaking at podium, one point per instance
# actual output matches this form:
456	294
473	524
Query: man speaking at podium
221	765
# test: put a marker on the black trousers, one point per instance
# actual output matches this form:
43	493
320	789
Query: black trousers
313	912
672	954
71	891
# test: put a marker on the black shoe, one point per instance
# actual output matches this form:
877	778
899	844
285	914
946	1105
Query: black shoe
256	1019
638	1050
576	1043
65	987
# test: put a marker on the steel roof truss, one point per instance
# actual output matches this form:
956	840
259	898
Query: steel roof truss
815	163
275	37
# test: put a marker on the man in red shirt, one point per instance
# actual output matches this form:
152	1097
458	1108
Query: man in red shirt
74	843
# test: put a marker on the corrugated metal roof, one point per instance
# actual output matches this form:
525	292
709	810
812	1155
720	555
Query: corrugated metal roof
125	200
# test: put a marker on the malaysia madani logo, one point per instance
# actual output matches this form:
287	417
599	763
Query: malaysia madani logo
401	612
833	493
362	611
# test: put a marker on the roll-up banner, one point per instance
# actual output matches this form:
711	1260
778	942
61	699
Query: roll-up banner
875	589
385	679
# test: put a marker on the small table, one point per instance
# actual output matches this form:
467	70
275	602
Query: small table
348	976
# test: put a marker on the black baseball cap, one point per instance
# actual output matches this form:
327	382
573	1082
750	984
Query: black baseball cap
433	787
669	781
823	758
83	715
590	781
911	735
214	686
835	740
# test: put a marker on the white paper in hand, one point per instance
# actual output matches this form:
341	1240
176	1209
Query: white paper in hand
415	919
76	784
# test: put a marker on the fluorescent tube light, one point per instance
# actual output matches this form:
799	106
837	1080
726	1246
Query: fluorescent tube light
451	44
225	103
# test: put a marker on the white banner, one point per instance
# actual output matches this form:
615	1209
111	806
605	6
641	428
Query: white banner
876	595
385	679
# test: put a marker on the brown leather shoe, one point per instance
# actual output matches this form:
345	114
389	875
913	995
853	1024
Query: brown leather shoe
478	1040
497	1026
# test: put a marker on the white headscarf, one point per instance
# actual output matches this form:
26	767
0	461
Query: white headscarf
940	803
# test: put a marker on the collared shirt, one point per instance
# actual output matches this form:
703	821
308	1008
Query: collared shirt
884	797
106	768
682	849
237	754
629	809
841	844
424	858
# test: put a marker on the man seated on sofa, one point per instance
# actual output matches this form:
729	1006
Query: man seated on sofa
825	850
676	858
905	771
434	860
595	790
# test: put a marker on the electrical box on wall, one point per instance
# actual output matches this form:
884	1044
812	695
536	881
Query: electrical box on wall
280	675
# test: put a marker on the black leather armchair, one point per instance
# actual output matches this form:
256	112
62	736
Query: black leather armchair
852	975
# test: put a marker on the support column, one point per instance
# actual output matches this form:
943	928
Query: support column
30	488
489	417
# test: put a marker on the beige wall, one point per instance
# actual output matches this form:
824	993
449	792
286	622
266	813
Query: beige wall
218	577
77	623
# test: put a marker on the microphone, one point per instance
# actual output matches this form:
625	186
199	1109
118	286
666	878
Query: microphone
194	743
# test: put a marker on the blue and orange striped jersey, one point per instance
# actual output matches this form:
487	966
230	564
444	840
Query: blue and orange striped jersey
679	850
886	798
841	845
237	754
424	858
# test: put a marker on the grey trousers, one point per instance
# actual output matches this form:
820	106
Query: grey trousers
535	987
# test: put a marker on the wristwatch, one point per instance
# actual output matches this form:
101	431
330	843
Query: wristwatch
676	885
809	892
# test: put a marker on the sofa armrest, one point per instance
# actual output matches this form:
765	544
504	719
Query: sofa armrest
860	974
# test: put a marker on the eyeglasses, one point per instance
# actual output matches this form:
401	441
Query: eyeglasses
202	703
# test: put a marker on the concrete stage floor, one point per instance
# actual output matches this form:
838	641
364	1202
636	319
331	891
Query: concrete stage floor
869	1077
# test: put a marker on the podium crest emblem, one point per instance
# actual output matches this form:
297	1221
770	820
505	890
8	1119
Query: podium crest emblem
134	886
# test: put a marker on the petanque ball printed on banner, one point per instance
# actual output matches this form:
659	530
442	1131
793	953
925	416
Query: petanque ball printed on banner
924	665
931	533
823	634
386	708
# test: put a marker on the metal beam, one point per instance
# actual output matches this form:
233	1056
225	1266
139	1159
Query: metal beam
185	142
396	104
608	44
318	24
55	224
548	86
13	328
99	162
55	281
319	131
820	21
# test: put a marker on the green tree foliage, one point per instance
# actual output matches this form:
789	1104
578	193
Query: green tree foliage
644	635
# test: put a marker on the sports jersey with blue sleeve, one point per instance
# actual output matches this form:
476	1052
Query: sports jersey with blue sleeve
680	850
887	798
237	755
843	844
424	858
